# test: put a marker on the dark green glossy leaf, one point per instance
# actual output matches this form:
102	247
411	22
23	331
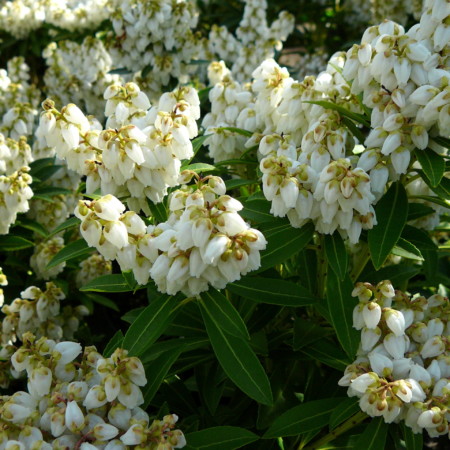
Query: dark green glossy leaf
149	325
283	242
109	283
220	438
114	342
223	313
200	167
273	291
374	436
32	225
413	441
341	305
432	164
9	243
157	371
336	254
418	210
327	354
69	223
306	332
257	211
407	250
359	118
239	362
391	212
70	251
302	418
343	411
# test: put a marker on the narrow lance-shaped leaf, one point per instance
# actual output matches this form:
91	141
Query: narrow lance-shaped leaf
374	436
283	242
220	438
336	254
432	164
11	243
222	311
340	305
273	291
149	325
109	283
239	362
391	212
302	418
70	251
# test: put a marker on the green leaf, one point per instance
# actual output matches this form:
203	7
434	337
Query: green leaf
235	183
32	225
336	254
283	242
441	141
302	419
102	300
257	211
327	354
51	191
413	441
432	164
240	131
306	332
149	325
114	342
419	238
407	250
158	210
343	411
273	291
397	274
238	361
432	199
374	436
442	189
119	71
223	313
418	210
109	283
70	251
146	70
391	212
341	305
157	371
69	223
198	142
9	243
220	438
341	110
200	167
354	129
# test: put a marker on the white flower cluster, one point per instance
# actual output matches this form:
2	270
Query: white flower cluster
404	78
15	192
92	267
139	154
402	370
21	17
78	73
14	154
204	241
43	253
38	312
335	195
86	402
231	106
255	40
374	11
18	99
157	34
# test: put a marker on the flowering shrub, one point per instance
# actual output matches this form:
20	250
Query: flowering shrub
222	226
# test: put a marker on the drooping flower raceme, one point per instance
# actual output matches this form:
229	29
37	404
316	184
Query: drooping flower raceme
402	369
80	398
